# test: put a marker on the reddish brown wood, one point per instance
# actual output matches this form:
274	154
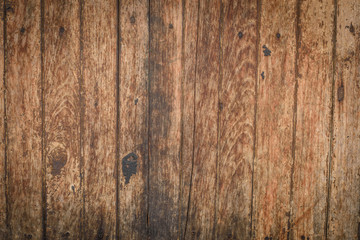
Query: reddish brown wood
23	117
164	119
201	222
237	106
133	113
344	210
312	148
188	62
274	126
3	134
99	71
62	119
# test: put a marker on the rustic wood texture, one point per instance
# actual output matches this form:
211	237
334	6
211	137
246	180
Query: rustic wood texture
344	211
274	120
164	119
237	106
23	116
3	134
99	69
133	113
179	119
313	119
201	219
62	119
190	23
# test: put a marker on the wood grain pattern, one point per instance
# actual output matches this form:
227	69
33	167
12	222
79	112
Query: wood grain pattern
23	113
201	223
344	211
276	86
164	119
62	118
169	119
312	148
133	134
237	106
188	58
99	98
3	134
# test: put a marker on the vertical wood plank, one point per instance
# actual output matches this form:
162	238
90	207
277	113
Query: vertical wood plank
188	58
23	110
276	86
203	195
344	212
3	228
133	134
62	118
313	117
165	106
99	21
237	106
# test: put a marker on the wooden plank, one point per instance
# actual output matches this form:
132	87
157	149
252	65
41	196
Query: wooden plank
237	102
344	213
188	59
133	134
314	77
3	218
165	112
24	124
99	21
201	222
276	86
62	118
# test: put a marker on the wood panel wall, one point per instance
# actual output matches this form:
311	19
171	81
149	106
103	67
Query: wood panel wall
180	119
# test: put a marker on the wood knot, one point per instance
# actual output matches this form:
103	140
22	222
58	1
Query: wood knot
61	31
129	165
132	19
58	159
341	93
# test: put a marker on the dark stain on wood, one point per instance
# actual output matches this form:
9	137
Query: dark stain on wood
129	165
341	93
266	51
61	31
58	158
132	19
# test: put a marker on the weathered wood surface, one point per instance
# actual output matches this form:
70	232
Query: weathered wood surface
164	118
274	119
202	216
24	119
63	131
133	121
169	119
238	69
313	119
98	106
3	155
344	209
